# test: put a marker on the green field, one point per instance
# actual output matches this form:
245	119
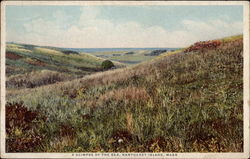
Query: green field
178	102
126	57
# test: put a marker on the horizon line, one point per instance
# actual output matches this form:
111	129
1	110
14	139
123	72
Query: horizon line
90	47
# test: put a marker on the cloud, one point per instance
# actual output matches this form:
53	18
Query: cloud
212	29
91	31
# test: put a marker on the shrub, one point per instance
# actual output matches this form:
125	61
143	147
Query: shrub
12	56
22	126
67	52
203	45
156	52
107	64
129	53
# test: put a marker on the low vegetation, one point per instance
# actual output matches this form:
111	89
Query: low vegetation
180	102
29	66
156	52
199	46
22	59
69	52
125	57
23	128
36	79
107	64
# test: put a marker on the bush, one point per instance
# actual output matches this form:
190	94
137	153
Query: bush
22	128
107	64
156	52
67	52
203	45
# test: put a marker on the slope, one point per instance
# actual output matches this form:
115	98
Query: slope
24	62
184	102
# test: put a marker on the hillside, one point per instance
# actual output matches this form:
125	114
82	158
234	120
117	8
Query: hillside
186	101
30	65
135	56
126	57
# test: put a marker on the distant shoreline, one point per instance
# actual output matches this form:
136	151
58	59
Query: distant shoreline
93	50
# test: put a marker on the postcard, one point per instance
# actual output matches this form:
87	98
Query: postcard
124	79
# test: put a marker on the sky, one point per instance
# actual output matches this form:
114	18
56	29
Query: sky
121	26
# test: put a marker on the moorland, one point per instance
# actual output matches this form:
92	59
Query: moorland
187	100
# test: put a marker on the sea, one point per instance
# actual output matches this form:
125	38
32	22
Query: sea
93	50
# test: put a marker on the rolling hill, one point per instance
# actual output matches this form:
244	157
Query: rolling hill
186	101
133	56
30	65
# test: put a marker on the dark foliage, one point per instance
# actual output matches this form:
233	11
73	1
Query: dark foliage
107	64
116	54
28	46
67	52
156	52
130	53
22	127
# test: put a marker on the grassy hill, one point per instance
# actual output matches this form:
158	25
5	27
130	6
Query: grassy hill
130	57
127	57
182	102
30	65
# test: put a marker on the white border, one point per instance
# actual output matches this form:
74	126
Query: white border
246	76
2	146
246	79
100	3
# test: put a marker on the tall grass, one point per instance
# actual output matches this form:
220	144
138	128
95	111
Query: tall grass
185	102
36	79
